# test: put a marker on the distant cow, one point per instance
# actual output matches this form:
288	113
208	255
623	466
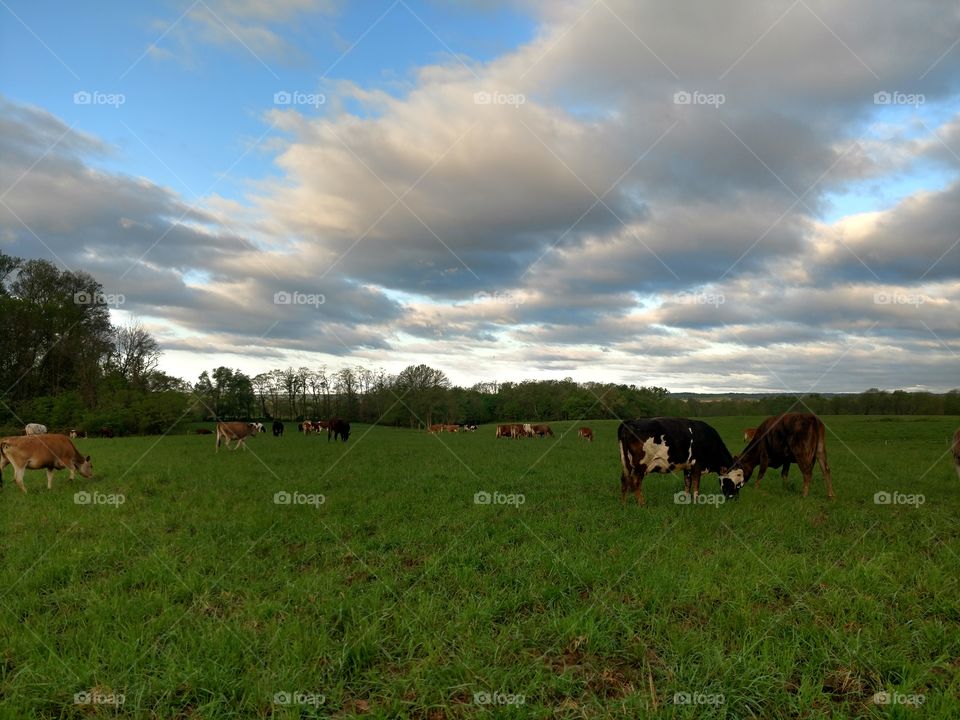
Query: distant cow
586	433
43	452
204	431
277	428
338	427
236	431
956	451
74	434
470	428
748	434
784	439
504	431
35	429
105	432
307	427
527	430
452	428
666	444
541	431
436	428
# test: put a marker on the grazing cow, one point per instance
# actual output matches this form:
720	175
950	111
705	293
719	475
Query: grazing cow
307	427
452	428
504	431
541	431
43	452
435	428
338	427
586	433
35	429
105	432
956	451
236	431
781	440
748	434
204	431
277	428
666	444
74	434
527	430
470	428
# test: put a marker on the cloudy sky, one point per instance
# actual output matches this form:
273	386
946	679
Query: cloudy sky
707	196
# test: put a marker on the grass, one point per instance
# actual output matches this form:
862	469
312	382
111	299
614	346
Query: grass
399	597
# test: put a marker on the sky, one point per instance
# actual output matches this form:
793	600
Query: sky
708	197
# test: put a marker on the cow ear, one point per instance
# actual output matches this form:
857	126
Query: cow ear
88	458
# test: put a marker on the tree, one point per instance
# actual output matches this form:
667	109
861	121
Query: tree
135	355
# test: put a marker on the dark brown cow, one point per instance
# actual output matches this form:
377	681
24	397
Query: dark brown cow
338	427
504	431
105	432
541	431
956	451
204	431
784	439
43	452
236	431
586	433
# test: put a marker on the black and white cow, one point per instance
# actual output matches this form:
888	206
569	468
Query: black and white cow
666	444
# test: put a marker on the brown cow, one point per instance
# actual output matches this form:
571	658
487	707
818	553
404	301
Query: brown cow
43	452
435	428
541	431
504	431
748	434
236	431
783	439
586	433
956	451
452	428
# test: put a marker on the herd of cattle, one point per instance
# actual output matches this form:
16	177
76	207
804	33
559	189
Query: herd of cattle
647	445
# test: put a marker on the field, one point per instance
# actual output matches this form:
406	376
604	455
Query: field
383	589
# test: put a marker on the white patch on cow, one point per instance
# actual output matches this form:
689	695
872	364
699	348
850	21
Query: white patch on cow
623	459
656	455
734	476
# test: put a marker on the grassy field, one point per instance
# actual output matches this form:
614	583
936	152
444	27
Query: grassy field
184	586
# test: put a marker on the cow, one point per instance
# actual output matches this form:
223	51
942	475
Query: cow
35	429
470	428
105	432
307	427
784	439
518	431
527	430
452	428
236	431
541	431
748	434
43	452
338	427
956	451
74	434
436	428
586	433
665	444
204	431
504	431
277	428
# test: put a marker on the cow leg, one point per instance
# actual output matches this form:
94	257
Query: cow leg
760	473
825	466
807	476
18	476
686	482
49	479
695	477
785	472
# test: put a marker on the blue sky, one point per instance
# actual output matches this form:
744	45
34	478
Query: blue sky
508	187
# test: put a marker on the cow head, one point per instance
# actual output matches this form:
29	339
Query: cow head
86	467
731	480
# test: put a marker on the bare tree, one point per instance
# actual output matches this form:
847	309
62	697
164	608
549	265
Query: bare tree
135	354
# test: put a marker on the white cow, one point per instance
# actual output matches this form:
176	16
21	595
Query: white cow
35	429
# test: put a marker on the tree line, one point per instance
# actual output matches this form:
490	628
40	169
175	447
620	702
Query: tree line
65	364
